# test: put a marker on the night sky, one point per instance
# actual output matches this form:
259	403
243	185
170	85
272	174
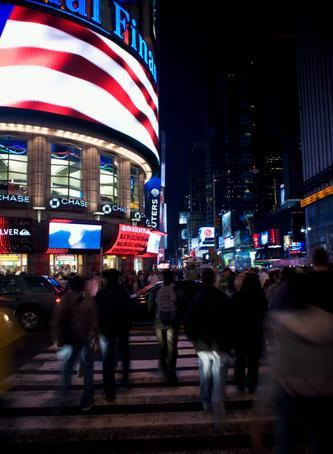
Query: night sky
192	37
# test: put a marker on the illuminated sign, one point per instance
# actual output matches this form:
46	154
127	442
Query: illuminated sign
125	27
264	238
15	235
255	238
152	202
67	235
226	224
228	243
286	242
131	240
153	245
112	209
274	237
8	198
67	203
317	196
206	236
48	62
183	217
296	248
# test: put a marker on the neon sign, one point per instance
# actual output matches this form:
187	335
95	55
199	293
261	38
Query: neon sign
131	240
124	26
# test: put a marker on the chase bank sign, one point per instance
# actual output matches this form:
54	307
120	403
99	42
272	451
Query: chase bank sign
63	202
16	199
109	209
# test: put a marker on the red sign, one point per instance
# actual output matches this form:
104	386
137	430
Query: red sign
274	237
255	238
131	240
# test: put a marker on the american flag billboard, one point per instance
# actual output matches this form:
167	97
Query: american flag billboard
51	64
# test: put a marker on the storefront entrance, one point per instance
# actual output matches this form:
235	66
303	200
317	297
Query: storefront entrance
111	261
66	263
13	263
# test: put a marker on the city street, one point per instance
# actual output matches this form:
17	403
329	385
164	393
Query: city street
148	416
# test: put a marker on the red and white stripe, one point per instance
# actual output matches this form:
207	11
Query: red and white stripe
51	64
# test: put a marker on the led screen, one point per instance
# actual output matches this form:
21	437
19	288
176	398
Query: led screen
154	243
64	235
47	63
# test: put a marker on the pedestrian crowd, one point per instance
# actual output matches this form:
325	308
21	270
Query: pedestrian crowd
284	317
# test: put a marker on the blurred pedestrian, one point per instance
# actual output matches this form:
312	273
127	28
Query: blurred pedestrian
153	277
208	324
166	304
272	283
250	306
303	358
93	285
114	312
226	284
75	325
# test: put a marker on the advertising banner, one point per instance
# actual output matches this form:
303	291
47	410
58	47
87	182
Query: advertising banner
226	224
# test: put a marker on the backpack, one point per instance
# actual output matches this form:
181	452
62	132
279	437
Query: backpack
166	304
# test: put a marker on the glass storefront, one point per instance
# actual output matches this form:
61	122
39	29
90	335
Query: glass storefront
66	263
13	166
135	189
109	185
66	171
13	263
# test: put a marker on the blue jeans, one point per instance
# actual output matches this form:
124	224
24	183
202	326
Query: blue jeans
86	358
213	368
112	348
167	337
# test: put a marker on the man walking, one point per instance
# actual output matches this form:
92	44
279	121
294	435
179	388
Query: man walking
75	326
165	304
113	310
207	324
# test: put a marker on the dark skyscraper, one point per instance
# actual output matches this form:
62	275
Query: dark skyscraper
315	69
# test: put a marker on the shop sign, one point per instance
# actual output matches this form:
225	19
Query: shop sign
67	203
131	240
11	198
15	235
109	209
14	232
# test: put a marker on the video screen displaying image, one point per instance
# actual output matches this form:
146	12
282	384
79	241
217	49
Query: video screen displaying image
47	62
64	235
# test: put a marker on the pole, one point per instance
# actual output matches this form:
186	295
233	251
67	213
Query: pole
101	261
214	211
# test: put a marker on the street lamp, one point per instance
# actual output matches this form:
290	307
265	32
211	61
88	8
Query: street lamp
39	213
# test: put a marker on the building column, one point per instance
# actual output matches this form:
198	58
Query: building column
90	178
39	169
38	263
125	186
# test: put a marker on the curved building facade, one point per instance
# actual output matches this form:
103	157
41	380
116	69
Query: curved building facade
78	131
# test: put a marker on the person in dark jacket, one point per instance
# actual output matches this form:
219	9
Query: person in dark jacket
166	304
250	306
113	311
75	325
208	324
